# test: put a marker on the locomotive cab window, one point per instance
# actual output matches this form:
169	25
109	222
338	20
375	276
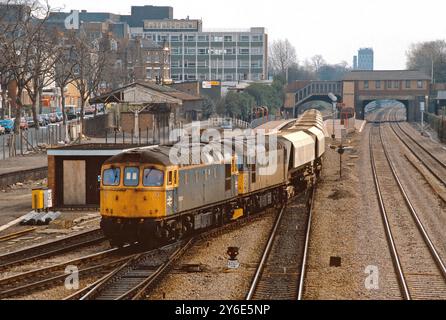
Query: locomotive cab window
111	177
131	176
169	178
153	178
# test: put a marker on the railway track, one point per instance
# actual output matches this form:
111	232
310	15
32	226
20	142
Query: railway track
280	274
427	158
47	277
420	270
137	275
135	279
51	248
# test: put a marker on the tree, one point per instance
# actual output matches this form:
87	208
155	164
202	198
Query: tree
21	27
238	105
333	72
42	70
428	57
282	55
90	59
65	66
317	62
209	107
270	96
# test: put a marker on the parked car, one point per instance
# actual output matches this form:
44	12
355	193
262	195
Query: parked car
71	116
52	117
23	124
30	122
8	124
59	116
2	130
43	121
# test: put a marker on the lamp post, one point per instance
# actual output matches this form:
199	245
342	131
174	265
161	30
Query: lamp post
334	99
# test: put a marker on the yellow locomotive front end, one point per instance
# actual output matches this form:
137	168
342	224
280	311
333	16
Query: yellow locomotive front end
135	197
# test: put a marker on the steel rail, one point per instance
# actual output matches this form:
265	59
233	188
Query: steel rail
51	248
413	212
303	270
265	256
393	250
440	179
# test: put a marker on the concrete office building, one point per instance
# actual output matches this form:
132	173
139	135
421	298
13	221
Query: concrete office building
197	54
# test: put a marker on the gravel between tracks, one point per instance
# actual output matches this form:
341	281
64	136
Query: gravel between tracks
347	224
216	282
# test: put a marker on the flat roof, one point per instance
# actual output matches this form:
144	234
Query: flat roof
385	75
93	149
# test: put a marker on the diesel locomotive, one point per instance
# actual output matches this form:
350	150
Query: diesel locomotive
148	198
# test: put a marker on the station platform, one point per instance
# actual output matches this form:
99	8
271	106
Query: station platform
21	163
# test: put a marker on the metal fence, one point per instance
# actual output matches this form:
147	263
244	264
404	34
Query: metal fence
438	124
31	140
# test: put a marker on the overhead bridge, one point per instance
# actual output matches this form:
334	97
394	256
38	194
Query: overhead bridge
359	88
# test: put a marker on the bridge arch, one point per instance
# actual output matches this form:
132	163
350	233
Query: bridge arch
405	103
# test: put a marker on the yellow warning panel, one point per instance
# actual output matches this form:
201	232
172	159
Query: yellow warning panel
237	214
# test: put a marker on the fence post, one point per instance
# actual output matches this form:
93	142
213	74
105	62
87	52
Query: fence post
21	141
132	136
116	135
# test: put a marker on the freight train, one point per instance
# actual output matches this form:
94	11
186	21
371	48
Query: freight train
148	198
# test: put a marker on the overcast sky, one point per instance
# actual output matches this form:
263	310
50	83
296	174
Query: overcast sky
332	28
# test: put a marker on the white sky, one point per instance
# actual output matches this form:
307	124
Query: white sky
333	28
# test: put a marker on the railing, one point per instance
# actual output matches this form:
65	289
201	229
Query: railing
318	88
33	140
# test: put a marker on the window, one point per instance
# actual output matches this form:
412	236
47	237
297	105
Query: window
253	173
202	64
408	84
169	178
419	84
111	177
228	176
396	84
243	63
244	50
217	51
244	38
256	64
190	64
378	84
256	50
176	50
230	51
257	38
131	176
190	38
202	51
217	38
228	38
175	38
190	51
191	77
176	63
366	84
229	77
153	178
389	84
203	38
